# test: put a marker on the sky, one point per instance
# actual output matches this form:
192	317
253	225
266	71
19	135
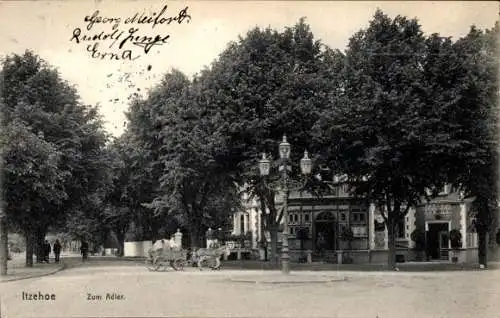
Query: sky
52	29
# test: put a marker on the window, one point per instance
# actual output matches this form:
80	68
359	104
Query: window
325	216
444	190
342	216
242	224
358	217
361	217
306	217
296	218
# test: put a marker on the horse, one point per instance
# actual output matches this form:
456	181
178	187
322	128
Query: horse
203	254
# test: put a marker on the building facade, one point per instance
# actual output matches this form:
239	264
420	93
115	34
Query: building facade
340	224
247	221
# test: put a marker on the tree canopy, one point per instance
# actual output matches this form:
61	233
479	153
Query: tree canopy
398	126
52	147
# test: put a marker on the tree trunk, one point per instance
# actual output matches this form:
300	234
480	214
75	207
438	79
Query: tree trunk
30	241
194	233
4	246
262	229
391	261
40	248
274	245
483	248
120	236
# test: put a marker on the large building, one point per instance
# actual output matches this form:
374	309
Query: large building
318	225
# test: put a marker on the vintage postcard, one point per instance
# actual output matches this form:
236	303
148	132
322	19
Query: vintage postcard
249	159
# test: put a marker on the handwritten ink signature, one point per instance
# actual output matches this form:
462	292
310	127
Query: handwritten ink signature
117	34
142	19
146	42
95	18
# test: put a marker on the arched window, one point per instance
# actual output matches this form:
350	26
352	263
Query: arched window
325	216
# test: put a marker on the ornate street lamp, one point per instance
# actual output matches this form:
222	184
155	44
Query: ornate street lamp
305	168
264	165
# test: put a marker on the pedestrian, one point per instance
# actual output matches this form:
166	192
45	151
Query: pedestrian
57	250
84	249
47	249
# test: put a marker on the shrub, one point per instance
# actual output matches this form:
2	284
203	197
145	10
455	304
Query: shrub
418	236
348	236
455	239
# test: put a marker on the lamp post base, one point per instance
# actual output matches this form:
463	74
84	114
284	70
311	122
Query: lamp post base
285	261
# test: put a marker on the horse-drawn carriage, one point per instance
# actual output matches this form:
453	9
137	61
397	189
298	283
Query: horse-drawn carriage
178	258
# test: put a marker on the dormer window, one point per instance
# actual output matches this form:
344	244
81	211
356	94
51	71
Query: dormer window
445	190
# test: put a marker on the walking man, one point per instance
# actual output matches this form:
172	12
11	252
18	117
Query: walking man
84	249
57	250
47	249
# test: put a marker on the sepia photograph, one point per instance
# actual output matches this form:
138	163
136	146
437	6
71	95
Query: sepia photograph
249	159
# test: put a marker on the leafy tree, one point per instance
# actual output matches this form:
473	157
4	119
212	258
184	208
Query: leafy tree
46	111
380	128
173	177
195	186
32	181
121	196
266	84
147	117
473	166
127	194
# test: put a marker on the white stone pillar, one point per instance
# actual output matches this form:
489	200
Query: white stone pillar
236	229
463	224
246	218
259	225
178	238
235	216
256	227
411	226
371	226
251	225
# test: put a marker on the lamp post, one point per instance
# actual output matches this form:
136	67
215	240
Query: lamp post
305	167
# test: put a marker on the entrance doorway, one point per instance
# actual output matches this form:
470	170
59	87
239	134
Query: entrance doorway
437	240
325	232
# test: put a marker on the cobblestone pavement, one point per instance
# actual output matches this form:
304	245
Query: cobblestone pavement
133	291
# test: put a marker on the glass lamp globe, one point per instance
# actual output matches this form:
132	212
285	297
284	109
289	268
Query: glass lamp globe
284	148
305	164
264	165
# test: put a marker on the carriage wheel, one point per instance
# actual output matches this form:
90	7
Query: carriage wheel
173	265
211	263
179	264
149	264
156	265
